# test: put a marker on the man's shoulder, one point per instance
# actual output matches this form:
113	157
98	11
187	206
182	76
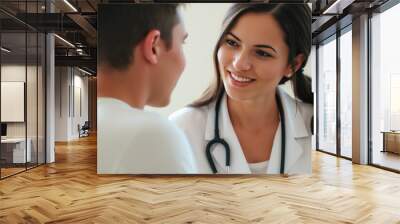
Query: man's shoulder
189	115
156	122
121	116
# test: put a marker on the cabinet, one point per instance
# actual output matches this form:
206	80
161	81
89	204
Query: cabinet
391	141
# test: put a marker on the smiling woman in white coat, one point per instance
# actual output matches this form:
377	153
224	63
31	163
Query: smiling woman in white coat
245	123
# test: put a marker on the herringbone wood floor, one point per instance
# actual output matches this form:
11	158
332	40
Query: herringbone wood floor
70	191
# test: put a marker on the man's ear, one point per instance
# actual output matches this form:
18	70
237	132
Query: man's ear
151	46
297	62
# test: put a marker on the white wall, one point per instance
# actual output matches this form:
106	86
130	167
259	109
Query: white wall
70	83
17	73
12	101
33	126
79	117
202	22
14	73
61	103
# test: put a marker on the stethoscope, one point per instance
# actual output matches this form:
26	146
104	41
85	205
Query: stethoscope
218	140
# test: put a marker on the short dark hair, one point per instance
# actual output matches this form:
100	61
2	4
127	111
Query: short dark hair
122	26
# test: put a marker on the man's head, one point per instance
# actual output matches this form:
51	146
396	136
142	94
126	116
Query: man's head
147	40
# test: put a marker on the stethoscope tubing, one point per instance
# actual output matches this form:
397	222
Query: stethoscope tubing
218	140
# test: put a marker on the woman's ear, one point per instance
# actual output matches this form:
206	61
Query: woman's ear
297	62
151	46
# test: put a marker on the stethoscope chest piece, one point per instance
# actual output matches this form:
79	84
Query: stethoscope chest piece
211	145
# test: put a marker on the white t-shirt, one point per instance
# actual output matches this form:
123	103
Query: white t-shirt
134	141
259	168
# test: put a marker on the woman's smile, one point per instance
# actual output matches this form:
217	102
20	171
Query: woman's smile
239	80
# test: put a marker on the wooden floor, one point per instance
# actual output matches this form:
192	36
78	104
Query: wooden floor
10	171
70	191
5	172
387	159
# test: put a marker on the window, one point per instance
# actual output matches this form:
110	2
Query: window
22	88
346	93
385	89
327	96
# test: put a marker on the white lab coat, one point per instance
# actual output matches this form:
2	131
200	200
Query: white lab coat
198	126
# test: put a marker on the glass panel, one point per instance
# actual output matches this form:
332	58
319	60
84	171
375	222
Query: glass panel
327	97
31	100
385	86
22	67
41	98
31	85
346	94
13	87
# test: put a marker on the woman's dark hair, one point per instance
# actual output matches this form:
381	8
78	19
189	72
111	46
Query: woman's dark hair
295	21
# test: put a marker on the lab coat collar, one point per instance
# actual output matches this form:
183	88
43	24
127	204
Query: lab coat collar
293	118
295	132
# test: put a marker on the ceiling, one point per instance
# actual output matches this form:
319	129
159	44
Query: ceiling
76	24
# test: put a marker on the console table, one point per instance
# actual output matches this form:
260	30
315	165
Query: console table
391	141
13	150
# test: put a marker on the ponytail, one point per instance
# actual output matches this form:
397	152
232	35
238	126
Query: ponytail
302	87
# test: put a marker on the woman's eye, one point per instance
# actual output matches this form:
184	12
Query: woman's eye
262	53
231	43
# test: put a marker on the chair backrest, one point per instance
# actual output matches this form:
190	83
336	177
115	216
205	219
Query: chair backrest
86	124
